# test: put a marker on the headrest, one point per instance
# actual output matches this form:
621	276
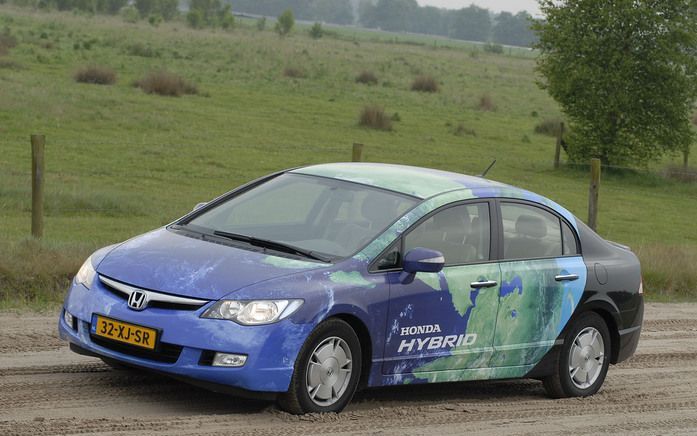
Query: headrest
531	226
452	218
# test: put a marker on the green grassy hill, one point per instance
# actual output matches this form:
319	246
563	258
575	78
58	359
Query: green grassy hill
120	161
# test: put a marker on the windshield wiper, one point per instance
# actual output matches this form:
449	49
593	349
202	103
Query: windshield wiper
265	243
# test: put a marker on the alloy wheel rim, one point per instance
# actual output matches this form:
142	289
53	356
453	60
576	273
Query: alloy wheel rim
329	371
586	358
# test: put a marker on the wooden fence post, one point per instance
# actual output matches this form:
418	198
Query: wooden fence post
37	185
357	155
557	150
685	156
593	194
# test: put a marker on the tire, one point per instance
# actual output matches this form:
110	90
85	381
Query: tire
579	366
321	382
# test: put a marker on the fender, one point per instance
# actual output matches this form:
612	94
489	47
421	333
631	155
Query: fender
603	305
590	301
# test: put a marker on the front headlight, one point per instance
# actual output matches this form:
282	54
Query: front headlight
255	312
85	276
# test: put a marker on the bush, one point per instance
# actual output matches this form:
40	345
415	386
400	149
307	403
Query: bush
694	119
285	23
7	41
129	14
549	127
424	83
493	48
143	51
227	20
486	103
367	78
461	130
316	31
155	20
195	19
374	117
165	83
95	75
295	73
261	24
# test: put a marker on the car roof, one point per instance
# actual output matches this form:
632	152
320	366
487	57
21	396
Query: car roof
415	181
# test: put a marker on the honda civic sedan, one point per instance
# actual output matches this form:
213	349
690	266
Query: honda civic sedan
308	284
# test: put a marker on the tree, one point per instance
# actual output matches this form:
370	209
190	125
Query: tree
195	19
316	31
513	29
471	24
225	17
110	7
169	9
624	72
285	22
145	7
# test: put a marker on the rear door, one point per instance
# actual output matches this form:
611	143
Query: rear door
445	321
542	279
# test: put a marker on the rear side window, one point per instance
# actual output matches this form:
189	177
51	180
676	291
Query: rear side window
569	240
530	232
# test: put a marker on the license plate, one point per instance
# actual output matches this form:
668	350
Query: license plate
125	332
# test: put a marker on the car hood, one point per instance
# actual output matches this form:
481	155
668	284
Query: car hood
165	261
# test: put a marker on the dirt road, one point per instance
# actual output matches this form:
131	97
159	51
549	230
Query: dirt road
46	389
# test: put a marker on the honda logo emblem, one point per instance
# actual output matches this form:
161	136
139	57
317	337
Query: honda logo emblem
138	300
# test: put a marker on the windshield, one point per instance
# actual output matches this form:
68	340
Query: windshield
316	214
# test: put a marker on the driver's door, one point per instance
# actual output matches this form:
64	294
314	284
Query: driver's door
446	320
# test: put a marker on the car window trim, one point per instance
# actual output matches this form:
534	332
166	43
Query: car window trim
546	208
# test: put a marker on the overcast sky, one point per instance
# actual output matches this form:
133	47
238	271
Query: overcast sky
494	5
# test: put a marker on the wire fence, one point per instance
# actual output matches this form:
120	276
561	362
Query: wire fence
66	202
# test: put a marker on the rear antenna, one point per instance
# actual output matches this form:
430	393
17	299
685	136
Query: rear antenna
486	171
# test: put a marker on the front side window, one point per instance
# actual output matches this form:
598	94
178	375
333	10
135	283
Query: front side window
461	233
530	232
317	214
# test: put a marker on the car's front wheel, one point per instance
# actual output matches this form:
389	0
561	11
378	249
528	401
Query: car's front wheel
581	364
326	372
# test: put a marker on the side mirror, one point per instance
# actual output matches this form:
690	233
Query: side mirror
421	260
199	206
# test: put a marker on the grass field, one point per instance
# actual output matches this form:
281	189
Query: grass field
120	161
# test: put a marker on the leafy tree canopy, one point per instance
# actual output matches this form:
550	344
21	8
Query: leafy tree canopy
624	72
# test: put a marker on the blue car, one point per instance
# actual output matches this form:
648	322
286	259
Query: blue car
308	284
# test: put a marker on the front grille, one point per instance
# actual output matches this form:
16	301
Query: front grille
164	352
152	303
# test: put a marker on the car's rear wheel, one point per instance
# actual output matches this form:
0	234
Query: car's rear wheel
326	372
581	364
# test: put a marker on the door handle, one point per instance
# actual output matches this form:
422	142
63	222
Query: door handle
484	284
566	277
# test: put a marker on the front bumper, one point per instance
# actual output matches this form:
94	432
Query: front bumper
271	349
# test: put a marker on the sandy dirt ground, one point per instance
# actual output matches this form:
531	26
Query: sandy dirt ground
46	389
